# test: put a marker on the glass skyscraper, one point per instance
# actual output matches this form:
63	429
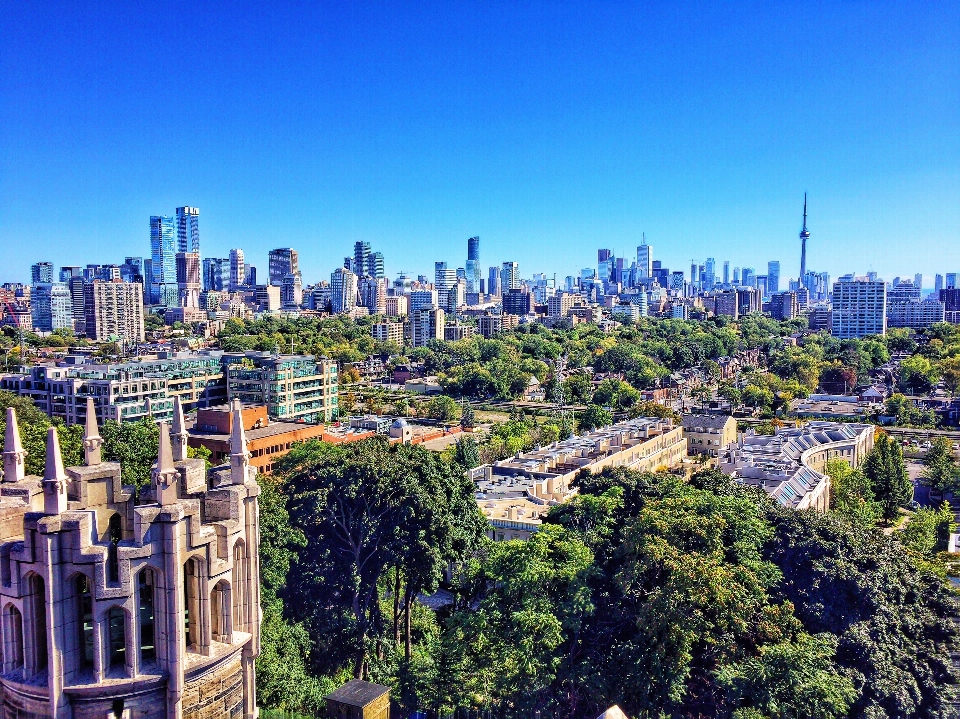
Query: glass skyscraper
163	255
188	229
473	264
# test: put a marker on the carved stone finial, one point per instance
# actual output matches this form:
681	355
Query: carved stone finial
14	455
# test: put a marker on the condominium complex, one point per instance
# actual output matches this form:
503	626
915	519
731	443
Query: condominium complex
515	493
113	310
789	465
388	332
426	325
293	387
859	307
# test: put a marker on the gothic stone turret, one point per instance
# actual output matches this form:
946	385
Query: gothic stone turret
117	606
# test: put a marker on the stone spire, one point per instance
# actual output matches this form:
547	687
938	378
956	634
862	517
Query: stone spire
164	473
179	434
239	456
54	477
92	441
14	456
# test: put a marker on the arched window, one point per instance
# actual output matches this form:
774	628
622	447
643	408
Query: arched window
12	639
84	609
239	588
36	605
116	621
220	618
146	588
191	603
115	534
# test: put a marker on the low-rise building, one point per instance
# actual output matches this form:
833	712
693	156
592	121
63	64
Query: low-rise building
515	493
789	465
293	387
708	434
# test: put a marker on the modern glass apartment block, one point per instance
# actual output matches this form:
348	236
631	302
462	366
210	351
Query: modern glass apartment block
188	229
163	255
293	387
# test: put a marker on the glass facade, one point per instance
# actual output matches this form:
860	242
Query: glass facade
163	255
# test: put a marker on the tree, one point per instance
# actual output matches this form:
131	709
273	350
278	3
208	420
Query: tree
594	416
468	418
578	389
443	408
851	495
467	453
928	531
918	373
940	469
887	472
134	445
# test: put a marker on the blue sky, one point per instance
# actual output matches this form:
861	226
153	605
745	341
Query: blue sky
548	129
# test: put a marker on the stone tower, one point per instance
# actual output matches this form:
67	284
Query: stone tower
118	604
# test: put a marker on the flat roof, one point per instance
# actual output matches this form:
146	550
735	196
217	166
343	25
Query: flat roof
357	693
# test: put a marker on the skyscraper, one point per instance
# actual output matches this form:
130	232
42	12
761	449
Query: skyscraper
804	236
726	272
237	270
114	308
510	276
343	291
188	229
361	258
644	259
709	274
51	306
282	262
473	264
375	265
41	272
164	290
773	277
188	279
494	285
859	307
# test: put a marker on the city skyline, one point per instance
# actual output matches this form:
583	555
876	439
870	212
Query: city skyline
548	134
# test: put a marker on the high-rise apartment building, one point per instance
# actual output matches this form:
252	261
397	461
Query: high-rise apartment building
773	277
509	277
644	260
188	279
426	325
784	305
51	306
164	290
291	291
282	262
130	271
238	270
343	291
69	271
473	265
397	306
373	294
424	300
726	272
41	273
375	266
113	309
188	230
361	259
951	281
937	283
443	278
859	307
494	283
216	274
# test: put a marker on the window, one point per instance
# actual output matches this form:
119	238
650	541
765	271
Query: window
145	616
115	534
118	637
191	603
220	613
239	586
12	639
84	605
37	608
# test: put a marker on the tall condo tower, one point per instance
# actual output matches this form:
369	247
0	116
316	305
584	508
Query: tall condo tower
804	236
473	264
188	229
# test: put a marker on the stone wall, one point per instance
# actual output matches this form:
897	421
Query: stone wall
216	694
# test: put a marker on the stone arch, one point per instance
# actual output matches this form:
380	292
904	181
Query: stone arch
117	660
35	640
239	578
80	626
221	617
193	605
12	639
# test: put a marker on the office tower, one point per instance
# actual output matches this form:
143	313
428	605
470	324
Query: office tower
373	294
736	275
644	259
237	270
462	273
872	276
361	258
282	262
784	305
748	277
456	296
423	299
726	304
509	276
605	267
859	307
188	230
694	275
215	274
918	281
51	306
113	308
41	273
494	285
951	280
131	270
249	275
163	255
76	284
343	291
677	280
425	325
709	274
937	283
726	272
70	271
291	291
188	279
773	277
804	236
517	302
748	300
473	264
443	279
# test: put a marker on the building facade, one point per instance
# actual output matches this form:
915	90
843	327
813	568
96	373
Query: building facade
119	604
163	262
859	308
113	309
188	230
426	325
281	262
293	387
51	306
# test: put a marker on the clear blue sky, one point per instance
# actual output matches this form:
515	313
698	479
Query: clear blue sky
549	129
